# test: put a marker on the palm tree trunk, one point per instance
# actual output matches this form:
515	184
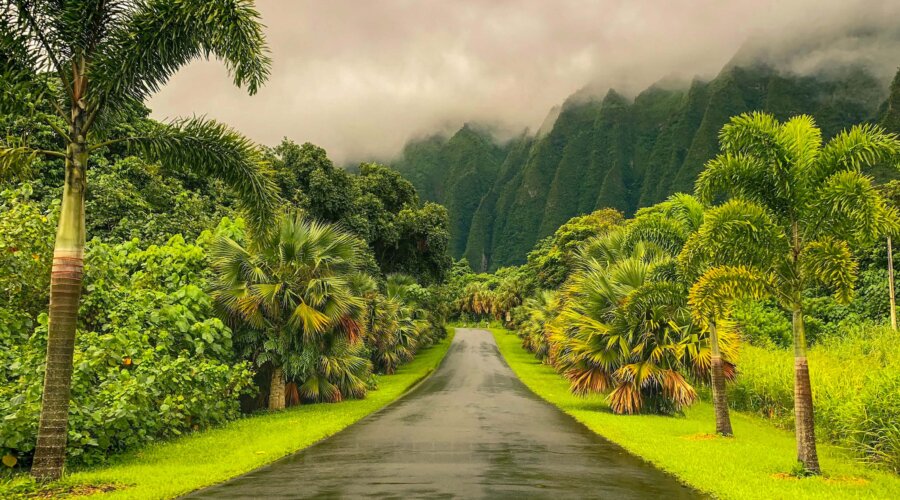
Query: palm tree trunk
720	397
65	293
890	257
804	422
276	390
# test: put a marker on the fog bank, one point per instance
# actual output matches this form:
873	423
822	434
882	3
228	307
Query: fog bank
361	78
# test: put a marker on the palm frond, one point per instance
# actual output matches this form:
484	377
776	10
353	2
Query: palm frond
214	149
712	295
854	150
734	175
847	204
830	262
153	39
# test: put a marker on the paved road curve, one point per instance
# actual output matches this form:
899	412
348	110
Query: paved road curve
471	430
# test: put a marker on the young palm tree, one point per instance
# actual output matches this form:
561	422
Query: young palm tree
298	286
83	67
710	298
395	324
629	334
541	310
796	207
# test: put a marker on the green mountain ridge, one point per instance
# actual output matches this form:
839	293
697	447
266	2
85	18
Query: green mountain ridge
615	152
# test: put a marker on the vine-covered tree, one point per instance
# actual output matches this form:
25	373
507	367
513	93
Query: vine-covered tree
795	208
82	67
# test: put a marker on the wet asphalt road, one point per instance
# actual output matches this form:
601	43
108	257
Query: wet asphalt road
471	430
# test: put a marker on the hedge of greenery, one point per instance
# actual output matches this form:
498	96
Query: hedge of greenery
151	358
856	389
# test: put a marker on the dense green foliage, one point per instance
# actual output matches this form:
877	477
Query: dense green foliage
152	358
612	152
149	332
620	322
377	204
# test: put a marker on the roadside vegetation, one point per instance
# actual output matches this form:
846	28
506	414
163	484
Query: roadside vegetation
708	295
755	464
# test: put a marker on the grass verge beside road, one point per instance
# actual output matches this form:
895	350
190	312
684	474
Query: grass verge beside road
755	464
176	467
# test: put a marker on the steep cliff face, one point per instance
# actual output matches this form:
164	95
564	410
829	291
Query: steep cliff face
615	152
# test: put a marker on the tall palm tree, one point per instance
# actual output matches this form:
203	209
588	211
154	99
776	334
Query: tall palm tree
83	67
891	193
795	208
297	286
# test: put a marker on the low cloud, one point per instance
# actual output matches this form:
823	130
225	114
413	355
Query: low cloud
362	78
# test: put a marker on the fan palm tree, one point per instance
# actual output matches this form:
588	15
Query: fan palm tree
795	208
541	310
508	295
83	67
625	326
477	299
628	335
396	324
298	285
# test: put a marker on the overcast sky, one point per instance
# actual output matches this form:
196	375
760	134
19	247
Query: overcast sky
360	78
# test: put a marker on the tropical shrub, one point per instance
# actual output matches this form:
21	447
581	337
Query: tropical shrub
27	230
398	326
151	358
553	258
378	205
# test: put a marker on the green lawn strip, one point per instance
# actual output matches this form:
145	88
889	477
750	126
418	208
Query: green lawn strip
754	464
173	468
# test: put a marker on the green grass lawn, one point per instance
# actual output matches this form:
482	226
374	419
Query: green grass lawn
172	468
756	463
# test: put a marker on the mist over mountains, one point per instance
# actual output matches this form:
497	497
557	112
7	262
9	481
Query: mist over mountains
614	151
361	79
